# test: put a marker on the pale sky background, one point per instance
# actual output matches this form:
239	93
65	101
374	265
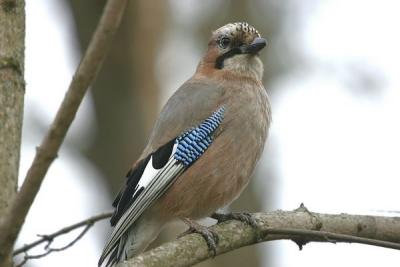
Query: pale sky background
335	149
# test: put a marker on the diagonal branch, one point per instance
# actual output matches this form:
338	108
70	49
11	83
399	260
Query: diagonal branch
50	249
49	238
300	226
87	223
13	220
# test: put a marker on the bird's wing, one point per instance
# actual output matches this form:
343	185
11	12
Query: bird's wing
194	101
184	135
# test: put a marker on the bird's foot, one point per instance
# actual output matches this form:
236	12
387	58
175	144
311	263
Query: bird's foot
239	216
210	236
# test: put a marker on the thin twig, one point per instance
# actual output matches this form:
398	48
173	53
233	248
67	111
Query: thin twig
332	237
90	65
50	250
49	238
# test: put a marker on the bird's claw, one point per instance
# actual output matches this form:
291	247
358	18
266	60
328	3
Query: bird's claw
245	217
239	216
209	235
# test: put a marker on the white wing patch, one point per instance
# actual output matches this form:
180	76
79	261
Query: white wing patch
150	172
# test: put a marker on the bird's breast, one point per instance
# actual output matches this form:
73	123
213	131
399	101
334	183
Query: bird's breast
223	171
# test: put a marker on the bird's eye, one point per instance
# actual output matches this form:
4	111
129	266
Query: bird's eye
224	42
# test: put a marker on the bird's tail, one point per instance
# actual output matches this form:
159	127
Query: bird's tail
137	238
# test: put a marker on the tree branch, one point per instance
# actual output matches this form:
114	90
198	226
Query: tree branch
300	226
49	238
46	153
88	223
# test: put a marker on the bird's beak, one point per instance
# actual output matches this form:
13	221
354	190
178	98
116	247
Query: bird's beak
257	44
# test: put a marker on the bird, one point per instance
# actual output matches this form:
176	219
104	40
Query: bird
202	150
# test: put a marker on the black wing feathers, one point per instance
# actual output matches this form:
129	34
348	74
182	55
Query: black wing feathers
130	192
125	196
162	155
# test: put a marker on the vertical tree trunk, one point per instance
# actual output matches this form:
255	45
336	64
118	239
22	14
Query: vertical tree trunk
12	86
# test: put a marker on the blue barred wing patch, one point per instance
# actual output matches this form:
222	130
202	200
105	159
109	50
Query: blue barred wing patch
194	142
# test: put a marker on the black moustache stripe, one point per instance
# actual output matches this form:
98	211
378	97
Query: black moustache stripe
219	63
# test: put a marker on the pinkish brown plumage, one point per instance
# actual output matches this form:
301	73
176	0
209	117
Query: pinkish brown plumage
228	76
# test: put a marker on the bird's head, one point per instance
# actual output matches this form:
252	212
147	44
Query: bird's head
235	47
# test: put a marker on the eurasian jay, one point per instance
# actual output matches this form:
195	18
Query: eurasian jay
203	148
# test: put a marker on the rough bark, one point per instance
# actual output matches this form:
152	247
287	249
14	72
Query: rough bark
300	226
12	88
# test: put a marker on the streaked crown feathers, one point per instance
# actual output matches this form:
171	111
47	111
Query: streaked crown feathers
237	28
